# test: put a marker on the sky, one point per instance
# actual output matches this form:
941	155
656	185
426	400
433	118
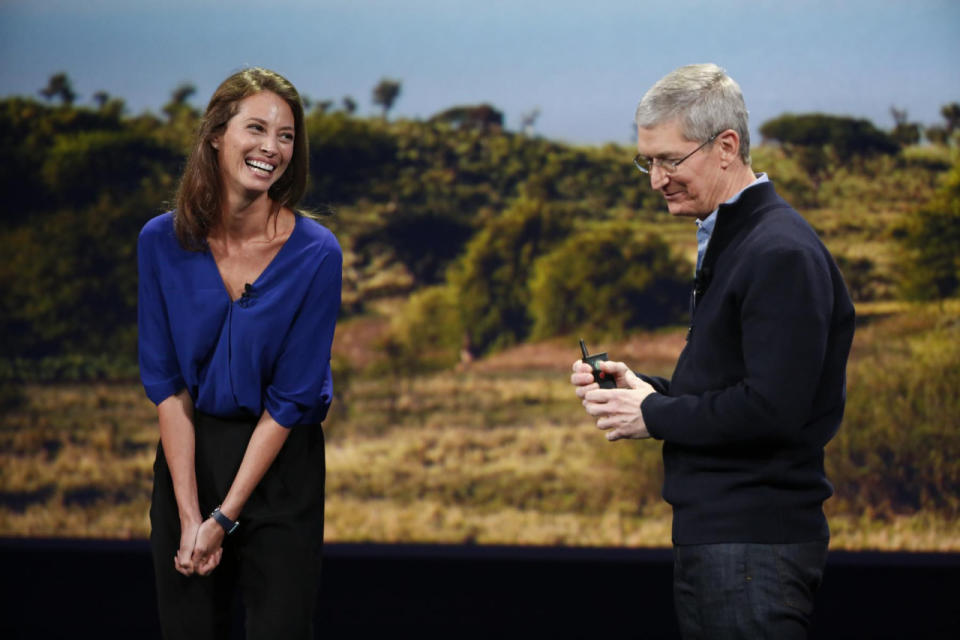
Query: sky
583	63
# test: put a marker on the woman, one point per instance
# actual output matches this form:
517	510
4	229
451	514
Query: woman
238	298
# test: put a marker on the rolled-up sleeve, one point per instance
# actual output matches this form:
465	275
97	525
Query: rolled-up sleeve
159	369
300	386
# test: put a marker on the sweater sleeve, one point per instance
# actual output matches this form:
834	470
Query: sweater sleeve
785	315
303	368
159	368
660	385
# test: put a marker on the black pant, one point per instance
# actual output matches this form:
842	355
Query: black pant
746	590
273	557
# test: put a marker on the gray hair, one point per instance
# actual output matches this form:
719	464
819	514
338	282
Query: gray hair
704	99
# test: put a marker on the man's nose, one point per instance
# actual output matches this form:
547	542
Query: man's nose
658	177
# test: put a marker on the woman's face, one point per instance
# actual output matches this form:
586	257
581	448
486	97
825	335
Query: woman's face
256	146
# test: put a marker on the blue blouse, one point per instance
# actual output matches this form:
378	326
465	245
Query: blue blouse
268	350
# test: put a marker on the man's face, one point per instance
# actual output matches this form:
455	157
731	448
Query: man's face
695	188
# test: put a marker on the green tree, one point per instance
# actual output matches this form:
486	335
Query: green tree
70	280
482	116
812	137
182	118
931	264
178	100
101	98
59	86
492	278
936	134
951	114
349	157
29	131
426	240
608	278
386	93
859	274
79	165
904	132
427	333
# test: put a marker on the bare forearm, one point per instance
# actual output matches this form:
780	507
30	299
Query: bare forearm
265	443
179	445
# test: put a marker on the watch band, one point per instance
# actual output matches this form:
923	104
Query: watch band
228	525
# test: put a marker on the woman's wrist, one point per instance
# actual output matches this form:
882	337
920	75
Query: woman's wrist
190	519
230	510
227	524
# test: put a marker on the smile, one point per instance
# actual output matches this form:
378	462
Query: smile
261	166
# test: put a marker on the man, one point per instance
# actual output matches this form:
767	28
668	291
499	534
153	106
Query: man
759	388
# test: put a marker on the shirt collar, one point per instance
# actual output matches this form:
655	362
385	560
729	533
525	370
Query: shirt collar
706	225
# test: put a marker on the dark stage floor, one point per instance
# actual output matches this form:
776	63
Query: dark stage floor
80	589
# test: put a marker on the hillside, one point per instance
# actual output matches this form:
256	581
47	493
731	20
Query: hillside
453	419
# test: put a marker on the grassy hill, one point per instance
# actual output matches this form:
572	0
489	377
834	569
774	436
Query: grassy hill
433	437
500	452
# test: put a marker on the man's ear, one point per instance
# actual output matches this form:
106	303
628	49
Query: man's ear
729	142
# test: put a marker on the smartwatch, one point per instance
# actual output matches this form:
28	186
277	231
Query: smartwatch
228	525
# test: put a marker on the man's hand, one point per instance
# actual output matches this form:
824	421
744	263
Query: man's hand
617	410
582	378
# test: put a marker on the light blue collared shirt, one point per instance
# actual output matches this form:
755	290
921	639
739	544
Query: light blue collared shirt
705	226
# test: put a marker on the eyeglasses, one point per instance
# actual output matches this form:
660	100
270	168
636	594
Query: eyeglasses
646	165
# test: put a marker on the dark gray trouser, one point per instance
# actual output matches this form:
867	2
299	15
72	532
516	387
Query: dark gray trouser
273	558
746	590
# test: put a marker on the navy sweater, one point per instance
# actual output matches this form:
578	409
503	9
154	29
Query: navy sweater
759	388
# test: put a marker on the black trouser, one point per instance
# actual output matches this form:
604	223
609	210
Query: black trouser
746	590
273	557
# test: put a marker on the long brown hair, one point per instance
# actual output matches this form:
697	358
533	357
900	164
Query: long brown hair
198	198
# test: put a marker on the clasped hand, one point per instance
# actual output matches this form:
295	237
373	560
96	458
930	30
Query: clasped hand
200	548
617	410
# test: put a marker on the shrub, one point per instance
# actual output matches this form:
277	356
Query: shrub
79	164
899	447
608	278
348	156
846	136
427	333
931	264
492	278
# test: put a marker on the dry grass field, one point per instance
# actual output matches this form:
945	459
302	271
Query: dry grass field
496	452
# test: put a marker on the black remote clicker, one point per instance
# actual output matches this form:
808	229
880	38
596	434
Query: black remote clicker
605	380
